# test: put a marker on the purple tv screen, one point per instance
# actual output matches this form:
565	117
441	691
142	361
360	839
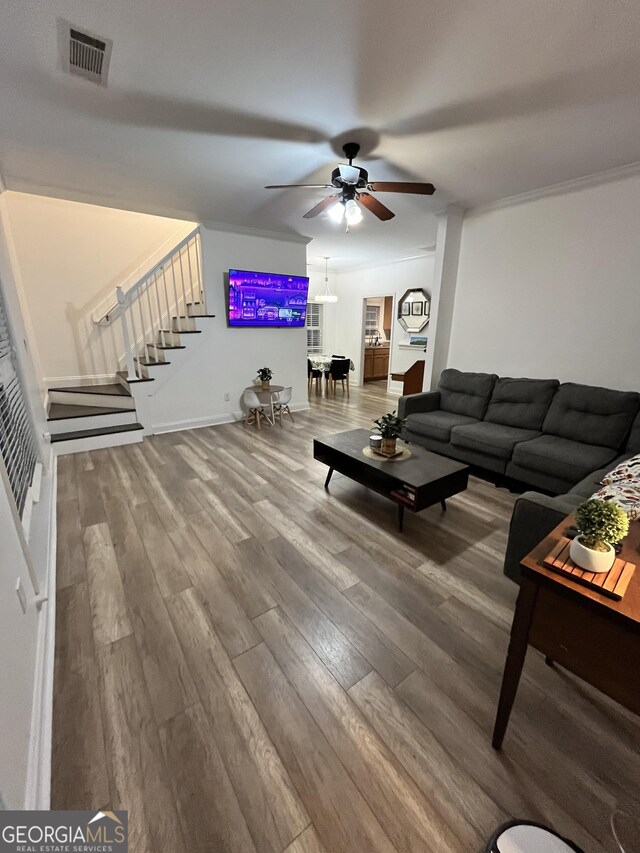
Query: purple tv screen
267	299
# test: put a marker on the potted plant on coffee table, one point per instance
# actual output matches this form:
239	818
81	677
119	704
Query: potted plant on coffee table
600	523
265	374
390	427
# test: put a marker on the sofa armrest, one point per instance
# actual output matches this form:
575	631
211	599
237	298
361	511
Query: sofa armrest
534	517
428	401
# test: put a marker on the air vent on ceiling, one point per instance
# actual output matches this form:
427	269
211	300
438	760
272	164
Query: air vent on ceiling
83	53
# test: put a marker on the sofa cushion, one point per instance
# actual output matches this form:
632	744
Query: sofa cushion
633	442
561	457
594	479
596	416
465	393
521	402
493	439
436	425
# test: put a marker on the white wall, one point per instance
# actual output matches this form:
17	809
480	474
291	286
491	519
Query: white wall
551	287
224	360
344	324
70	257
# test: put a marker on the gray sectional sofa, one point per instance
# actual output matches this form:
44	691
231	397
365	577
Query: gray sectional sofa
560	438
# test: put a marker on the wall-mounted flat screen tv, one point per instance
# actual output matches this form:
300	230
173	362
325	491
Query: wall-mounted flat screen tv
267	299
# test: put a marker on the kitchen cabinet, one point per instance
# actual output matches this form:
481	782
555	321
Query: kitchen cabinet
388	315
376	363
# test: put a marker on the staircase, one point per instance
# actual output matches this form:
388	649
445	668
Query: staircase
156	317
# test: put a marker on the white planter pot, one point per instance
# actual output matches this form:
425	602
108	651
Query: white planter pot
591	561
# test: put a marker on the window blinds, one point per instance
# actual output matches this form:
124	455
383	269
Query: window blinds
17	440
314	328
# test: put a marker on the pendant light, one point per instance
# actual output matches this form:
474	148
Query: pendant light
326	295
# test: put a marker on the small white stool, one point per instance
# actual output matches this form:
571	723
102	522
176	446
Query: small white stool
521	836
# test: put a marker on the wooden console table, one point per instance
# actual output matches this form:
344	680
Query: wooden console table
595	637
411	378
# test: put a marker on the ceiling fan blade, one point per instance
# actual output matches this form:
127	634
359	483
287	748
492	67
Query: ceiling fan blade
376	207
304	186
401	187
323	205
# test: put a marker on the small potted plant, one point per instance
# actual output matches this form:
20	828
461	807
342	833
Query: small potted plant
390	427
265	374
601	523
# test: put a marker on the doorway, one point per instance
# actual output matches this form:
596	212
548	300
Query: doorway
376	338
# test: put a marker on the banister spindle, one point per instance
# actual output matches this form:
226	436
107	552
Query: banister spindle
150	337
193	298
203	293
156	287
184	294
175	290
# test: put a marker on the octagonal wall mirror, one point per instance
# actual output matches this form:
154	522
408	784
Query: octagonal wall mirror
414	309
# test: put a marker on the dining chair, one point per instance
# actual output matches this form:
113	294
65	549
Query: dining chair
254	409
338	372
281	404
313	373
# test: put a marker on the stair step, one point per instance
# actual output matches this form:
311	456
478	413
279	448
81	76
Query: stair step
113	388
90	433
63	411
146	362
182	331
123	375
190	316
115	402
73	418
167	346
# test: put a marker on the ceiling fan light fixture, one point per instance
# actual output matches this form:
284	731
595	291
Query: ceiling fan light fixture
352	212
336	212
349	174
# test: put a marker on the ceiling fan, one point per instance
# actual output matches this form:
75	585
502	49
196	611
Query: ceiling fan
355	190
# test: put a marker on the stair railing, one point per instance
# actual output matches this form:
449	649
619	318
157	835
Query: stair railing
173	288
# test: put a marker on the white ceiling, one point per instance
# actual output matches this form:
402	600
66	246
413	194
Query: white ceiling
208	102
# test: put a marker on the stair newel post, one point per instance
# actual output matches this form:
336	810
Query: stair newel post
203	294
156	287
184	293
128	351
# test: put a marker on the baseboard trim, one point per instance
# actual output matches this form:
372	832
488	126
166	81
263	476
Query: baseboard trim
38	788
216	420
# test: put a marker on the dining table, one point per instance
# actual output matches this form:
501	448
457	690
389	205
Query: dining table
323	362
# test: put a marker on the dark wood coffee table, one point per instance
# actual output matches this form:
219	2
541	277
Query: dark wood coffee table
422	480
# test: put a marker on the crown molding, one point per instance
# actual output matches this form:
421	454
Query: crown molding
619	173
285	236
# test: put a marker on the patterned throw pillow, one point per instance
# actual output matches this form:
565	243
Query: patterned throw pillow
623	493
625	471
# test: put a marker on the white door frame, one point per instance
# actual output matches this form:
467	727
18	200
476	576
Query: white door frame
363	315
